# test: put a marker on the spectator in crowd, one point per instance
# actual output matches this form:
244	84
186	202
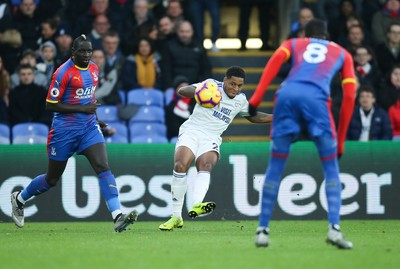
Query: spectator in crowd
138	23
29	58
369	121
394	116
198	8
6	15
99	28
305	15
10	49
99	7
175	11
4	84
390	13
46	9
141	69
63	43
48	31
179	109
28	100
107	85
337	24
114	58
369	8
264	19
367	70
350	21
183	56
47	64
388	52
355	38
166	31
27	23
389	91
74	9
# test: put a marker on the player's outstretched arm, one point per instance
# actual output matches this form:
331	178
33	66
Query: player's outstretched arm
187	91
260	117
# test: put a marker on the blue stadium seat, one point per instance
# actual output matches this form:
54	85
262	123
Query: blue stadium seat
173	140
121	135
149	139
30	133
149	128
146	97
168	95
108	113
149	114
122	95
4	134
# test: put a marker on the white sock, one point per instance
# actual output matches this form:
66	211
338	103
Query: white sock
115	213
201	184
20	199
178	191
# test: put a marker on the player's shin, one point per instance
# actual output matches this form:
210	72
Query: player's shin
327	150
178	191
201	184
37	186
109	190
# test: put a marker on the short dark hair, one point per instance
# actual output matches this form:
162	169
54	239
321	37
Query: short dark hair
366	88
235	71
25	66
316	28
78	40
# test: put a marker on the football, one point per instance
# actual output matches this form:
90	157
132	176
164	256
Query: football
207	94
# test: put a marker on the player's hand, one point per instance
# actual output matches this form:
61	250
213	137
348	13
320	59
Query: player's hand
252	110
90	108
102	124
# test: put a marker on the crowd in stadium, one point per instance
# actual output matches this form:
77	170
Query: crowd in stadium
144	44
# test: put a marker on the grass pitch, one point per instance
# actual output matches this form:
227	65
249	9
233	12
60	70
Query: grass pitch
200	244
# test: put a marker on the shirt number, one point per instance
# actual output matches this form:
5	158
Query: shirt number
315	53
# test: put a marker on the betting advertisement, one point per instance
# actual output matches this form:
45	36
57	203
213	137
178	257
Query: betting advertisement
368	172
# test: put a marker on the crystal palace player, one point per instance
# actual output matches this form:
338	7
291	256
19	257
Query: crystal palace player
75	128
304	100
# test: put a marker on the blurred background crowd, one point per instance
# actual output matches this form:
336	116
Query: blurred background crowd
158	45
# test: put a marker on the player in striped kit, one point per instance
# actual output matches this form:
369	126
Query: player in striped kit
200	139
75	128
303	101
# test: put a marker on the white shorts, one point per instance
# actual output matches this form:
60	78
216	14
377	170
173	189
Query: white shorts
198	142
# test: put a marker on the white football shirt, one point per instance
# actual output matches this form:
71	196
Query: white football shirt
214	121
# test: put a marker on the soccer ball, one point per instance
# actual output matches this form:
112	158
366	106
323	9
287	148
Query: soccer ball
207	94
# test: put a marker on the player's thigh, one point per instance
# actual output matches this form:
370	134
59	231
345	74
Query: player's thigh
55	170
97	156
207	161
62	143
183	158
92	135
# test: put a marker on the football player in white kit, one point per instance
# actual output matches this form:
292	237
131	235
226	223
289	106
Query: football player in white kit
200	139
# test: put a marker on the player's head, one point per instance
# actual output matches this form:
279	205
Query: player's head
81	51
316	28
234	80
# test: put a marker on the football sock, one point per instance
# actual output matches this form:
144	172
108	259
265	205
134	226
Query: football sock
109	190
280	148
37	186
201	184
178	191
327	150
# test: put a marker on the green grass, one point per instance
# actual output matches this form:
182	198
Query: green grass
200	244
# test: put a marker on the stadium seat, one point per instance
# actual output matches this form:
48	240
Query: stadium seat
146	97
121	135
149	128
30	133
168	95
173	140
108	113
149	139
122	95
4	134
149	114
